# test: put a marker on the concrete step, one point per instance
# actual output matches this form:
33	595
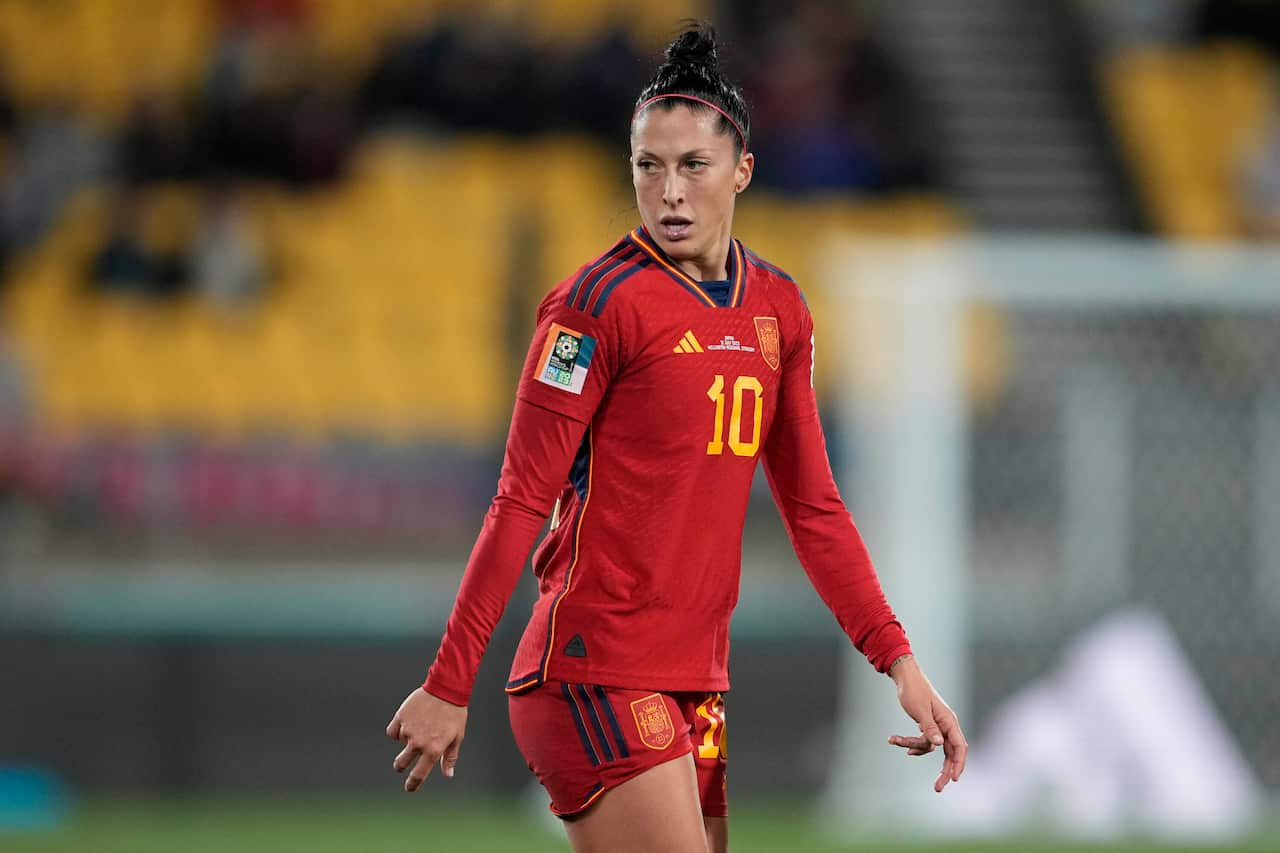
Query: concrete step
985	154
1012	141
1013	129
1055	214
1022	182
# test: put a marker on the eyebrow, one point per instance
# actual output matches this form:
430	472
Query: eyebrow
696	152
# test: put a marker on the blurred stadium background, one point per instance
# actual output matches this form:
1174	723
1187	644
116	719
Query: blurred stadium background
268	270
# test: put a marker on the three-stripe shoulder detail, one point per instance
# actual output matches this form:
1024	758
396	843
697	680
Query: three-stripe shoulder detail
598	280
760	263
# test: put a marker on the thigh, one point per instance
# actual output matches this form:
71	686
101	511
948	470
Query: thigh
655	812
583	740
717	834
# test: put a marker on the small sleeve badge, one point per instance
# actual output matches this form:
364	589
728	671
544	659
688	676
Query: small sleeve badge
565	359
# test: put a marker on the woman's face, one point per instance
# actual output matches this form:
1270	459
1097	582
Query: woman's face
686	177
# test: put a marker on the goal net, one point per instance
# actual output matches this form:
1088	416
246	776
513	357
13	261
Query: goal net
1037	434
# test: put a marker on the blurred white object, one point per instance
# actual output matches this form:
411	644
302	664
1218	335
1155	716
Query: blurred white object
1120	739
981	543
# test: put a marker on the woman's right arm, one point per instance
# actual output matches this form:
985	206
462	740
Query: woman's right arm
540	450
552	410
432	720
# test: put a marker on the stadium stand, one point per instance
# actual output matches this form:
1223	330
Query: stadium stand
97	52
397	279
389	299
1185	116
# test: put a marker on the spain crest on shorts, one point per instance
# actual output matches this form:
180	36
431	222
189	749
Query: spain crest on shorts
653	722
770	341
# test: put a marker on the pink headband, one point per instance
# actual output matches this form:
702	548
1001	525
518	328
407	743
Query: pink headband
728	117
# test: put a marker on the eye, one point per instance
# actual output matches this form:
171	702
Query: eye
696	165
646	165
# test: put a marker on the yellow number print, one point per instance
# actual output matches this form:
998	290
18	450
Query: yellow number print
739	446
713	740
716	392
736	444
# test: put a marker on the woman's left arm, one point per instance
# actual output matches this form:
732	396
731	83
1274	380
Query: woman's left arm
938	724
835	558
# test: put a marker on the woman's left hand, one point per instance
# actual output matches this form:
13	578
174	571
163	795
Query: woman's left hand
938	724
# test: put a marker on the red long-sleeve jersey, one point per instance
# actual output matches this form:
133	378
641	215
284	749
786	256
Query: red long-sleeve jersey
645	403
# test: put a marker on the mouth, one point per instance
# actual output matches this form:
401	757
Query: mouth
675	228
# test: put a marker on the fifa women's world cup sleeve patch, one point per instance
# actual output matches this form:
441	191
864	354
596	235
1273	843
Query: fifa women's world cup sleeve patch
565	360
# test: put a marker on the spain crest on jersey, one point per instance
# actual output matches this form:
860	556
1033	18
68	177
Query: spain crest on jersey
770	341
565	359
653	722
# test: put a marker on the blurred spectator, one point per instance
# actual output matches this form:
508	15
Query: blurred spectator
463	73
8	111
231	68
828	102
155	144
12	390
401	81
1260	184
125	264
597	93
322	130
247	102
55	154
265	14
491	80
1257	21
122	264
7	165
272	107
226	256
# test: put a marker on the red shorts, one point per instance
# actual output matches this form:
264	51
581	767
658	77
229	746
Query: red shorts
580	740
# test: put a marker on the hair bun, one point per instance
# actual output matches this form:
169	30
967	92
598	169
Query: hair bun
697	46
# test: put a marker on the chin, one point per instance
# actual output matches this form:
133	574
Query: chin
679	250
684	250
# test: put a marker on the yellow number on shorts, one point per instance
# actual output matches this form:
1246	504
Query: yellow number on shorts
713	742
739	446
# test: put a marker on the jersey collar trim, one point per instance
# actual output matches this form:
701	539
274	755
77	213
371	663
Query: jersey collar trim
737	272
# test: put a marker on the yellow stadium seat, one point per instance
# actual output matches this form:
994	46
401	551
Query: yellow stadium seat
389	309
1184	116
98	53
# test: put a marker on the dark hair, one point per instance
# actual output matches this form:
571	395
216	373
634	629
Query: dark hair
692	67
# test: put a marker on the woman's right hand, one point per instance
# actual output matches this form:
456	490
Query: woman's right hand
431	730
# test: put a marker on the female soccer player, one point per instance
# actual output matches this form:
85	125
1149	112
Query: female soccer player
659	375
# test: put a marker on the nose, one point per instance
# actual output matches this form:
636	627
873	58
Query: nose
673	189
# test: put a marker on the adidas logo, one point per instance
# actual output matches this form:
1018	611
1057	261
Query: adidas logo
576	648
688	344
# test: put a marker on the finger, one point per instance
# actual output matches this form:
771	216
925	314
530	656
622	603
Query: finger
406	757
393	728
913	743
947	775
948	772
931	731
420	772
449	760
956	749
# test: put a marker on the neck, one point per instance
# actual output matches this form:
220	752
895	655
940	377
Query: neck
714	264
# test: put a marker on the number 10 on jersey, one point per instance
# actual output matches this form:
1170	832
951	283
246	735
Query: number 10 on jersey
737	444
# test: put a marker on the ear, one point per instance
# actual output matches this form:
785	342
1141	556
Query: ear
746	166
